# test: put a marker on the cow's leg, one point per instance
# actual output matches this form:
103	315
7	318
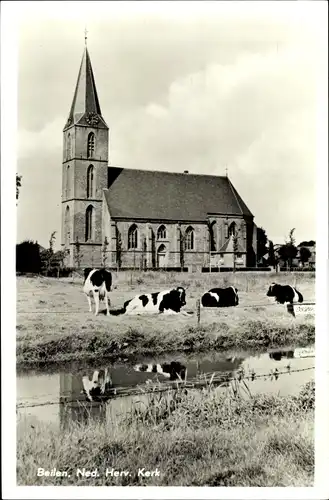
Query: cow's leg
108	302
96	299
89	302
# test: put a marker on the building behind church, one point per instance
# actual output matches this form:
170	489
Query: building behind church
127	218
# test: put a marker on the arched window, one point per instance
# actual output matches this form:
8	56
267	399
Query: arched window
67	187
133	237
68	147
90	181
89	223
232	229
67	228
162	233
91	145
189	238
212	236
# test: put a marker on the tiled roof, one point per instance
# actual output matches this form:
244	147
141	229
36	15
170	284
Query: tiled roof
85	104
146	194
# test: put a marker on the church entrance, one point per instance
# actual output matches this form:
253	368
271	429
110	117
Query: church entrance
162	257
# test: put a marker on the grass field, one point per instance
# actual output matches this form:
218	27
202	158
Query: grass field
205	438
54	324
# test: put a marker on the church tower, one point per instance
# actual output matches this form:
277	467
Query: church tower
84	173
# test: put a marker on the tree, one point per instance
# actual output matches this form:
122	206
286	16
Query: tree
18	185
262	240
272	260
304	255
310	243
105	251
288	252
181	248
235	249
118	247
47	255
28	257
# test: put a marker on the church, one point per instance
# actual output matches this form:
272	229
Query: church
143	219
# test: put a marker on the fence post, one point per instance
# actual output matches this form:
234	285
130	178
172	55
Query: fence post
198	311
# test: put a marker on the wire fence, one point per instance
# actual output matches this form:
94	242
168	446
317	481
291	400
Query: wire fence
207	379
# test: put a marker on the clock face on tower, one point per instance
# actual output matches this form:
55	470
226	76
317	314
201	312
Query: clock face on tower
92	119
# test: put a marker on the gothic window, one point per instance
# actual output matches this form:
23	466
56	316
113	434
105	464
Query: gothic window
91	145
90	181
232	229
67	187
89	223
133	237
162	234
189	238
68	147
212	236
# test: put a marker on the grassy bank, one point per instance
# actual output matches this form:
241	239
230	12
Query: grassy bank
54	325
204	438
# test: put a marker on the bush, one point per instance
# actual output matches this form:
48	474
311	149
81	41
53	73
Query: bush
28	257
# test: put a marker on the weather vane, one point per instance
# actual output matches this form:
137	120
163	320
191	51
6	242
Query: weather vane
226	170
86	36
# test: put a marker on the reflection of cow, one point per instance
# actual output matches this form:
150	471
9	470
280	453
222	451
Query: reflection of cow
278	355
220	297
100	387
173	370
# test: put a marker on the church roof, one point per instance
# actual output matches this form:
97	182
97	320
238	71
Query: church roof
85	109
146	194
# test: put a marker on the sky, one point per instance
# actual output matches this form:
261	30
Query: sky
182	86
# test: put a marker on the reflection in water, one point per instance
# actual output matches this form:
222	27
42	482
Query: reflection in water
290	354
83	397
174	370
278	355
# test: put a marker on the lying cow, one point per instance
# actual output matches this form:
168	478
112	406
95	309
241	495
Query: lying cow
173	370
166	302
98	284
284	293
100	387
220	297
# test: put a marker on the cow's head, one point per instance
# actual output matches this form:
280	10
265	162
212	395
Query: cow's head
272	291
182	295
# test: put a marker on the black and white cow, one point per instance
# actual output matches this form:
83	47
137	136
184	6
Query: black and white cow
166	302
284	293
173	370
278	355
100	387
220	297
97	283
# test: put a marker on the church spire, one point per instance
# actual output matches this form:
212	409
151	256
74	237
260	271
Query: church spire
85	109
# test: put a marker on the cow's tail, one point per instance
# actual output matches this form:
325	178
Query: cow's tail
300	297
122	310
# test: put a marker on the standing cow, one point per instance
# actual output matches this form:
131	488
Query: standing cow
98	284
